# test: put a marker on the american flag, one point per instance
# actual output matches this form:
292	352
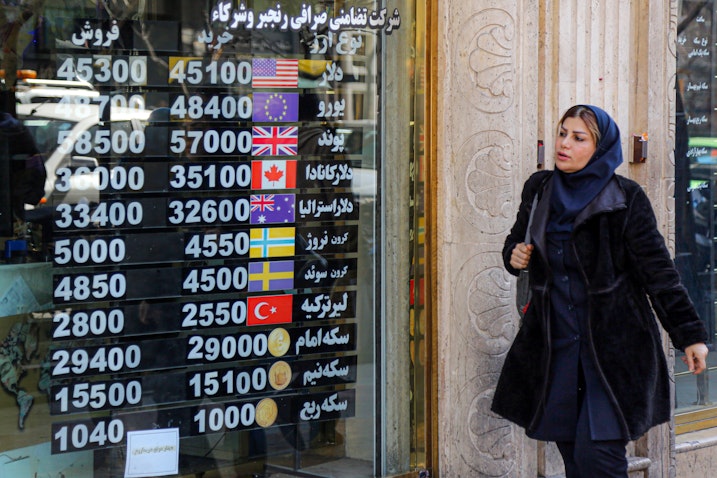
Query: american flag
275	73
274	140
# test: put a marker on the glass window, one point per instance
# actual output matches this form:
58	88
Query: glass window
695	200
189	226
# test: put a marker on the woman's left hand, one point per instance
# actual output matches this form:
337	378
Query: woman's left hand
696	357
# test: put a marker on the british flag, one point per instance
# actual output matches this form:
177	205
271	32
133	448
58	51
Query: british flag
274	140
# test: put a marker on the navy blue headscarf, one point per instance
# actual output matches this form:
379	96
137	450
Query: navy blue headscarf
573	191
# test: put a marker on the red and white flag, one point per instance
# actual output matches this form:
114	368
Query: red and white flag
269	309
273	174
274	73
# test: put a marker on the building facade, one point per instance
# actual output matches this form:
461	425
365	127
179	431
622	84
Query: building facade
256	238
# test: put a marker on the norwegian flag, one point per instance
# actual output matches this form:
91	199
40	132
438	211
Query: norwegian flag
274	140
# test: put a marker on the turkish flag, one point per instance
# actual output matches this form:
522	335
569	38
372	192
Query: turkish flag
269	309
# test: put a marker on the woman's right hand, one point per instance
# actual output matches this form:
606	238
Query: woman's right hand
520	257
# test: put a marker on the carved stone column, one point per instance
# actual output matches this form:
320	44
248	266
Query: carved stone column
487	148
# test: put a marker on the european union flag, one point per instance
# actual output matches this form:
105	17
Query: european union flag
276	107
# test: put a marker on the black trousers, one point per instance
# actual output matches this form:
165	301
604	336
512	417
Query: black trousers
588	458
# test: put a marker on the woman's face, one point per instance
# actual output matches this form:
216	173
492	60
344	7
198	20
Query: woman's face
574	146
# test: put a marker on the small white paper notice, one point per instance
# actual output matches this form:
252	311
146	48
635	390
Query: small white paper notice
152	453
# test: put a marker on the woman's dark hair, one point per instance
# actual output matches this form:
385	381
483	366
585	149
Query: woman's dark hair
588	116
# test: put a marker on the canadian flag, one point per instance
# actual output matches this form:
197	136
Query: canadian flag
269	309
273	174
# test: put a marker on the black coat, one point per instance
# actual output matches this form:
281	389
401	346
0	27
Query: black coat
623	260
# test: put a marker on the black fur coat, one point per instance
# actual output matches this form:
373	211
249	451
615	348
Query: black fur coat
623	260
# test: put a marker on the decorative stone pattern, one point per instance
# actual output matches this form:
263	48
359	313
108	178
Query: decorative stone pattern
481	87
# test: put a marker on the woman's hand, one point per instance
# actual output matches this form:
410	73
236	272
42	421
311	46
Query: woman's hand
696	357
520	257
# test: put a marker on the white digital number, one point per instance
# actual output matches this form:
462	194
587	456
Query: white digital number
84	251
211	142
232	382
113	214
209	314
104	69
88	324
98	395
112	359
95	287
212	245
208	211
103	141
78	436
216	279
229	418
103	178
79	105
227	347
210	176
195	72
216	107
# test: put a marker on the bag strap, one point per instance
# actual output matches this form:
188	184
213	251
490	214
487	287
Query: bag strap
532	209
530	219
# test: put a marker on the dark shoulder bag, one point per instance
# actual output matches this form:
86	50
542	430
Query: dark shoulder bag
522	294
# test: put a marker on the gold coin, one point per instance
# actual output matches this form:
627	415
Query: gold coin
280	375
279	342
266	412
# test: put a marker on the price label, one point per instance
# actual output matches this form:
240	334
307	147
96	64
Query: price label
211	245
224	348
114	214
95	360
138	248
101	142
199	71
80	324
213	314
79	106
211	142
210	176
208	211
213	280
95	396
227	382
89	287
100	178
242	415
86	434
211	107
104	69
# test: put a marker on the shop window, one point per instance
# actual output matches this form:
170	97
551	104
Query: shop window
192	232
695	199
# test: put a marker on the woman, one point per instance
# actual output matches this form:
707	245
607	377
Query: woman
587	368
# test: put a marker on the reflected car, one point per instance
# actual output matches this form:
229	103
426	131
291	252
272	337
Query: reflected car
73	139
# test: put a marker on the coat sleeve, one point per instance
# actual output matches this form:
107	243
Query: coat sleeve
517	232
656	272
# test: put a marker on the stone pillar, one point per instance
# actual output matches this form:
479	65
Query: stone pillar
487	144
